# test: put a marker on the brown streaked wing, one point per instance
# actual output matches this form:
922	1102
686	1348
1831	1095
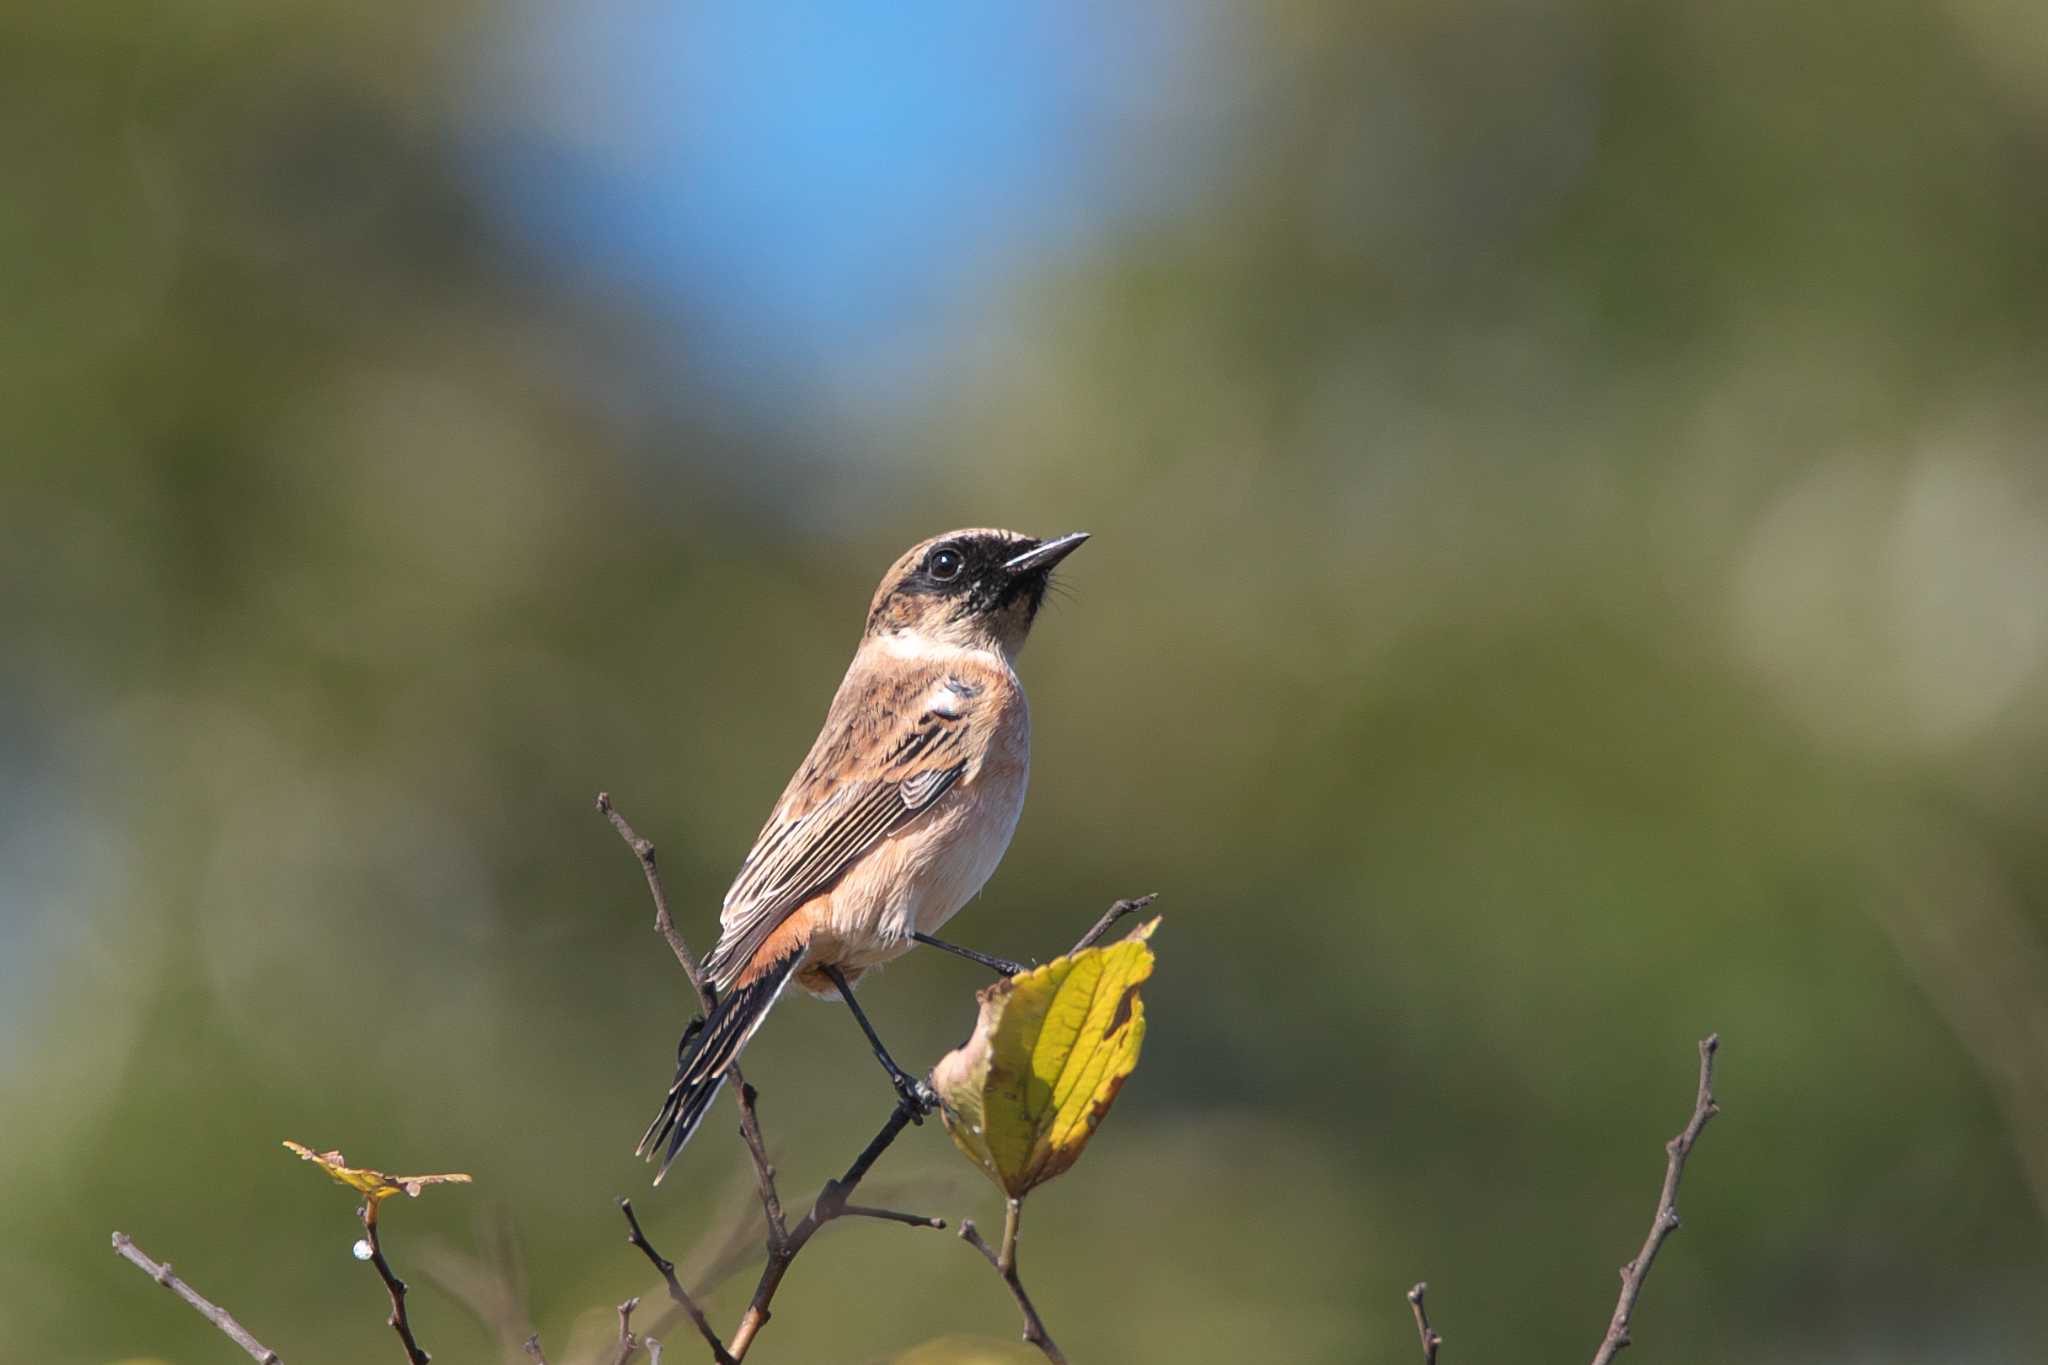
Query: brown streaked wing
914	759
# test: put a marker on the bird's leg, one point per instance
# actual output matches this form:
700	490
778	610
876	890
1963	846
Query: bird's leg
1001	966
916	1096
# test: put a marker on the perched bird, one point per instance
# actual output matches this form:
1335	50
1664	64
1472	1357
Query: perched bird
899	813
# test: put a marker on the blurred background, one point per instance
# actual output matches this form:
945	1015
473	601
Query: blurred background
1570	563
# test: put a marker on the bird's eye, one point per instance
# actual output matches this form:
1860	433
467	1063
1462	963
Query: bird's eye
945	564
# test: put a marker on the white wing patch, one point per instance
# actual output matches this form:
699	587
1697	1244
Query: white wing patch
949	699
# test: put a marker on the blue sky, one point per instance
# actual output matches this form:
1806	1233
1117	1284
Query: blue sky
807	185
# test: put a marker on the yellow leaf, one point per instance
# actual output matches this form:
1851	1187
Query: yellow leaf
374	1185
1052	1048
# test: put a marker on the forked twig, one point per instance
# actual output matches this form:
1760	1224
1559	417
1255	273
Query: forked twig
831	1203
1005	1263
1109	919
784	1240
667	1270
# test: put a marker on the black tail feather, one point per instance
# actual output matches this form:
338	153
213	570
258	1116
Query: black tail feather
704	1055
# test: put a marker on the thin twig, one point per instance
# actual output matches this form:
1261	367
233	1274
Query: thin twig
1005	1263
916	1220
1109	919
664	923
125	1247
1665	1221
764	1170
1430	1339
628	1343
676	1292
399	1322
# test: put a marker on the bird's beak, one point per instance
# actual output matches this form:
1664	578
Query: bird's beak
1046	553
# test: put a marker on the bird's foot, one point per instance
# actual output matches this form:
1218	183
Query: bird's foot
916	1098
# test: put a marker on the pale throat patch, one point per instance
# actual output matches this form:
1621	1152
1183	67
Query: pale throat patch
923	648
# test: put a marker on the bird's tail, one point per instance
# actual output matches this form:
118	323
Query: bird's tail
705	1054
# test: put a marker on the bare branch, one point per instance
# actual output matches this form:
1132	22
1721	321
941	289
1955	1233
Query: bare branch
831	1203
1428	1335
1005	1263
125	1247
676	1292
399	1321
1665	1221
1109	919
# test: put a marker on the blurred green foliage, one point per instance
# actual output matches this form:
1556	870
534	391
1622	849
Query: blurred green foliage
1571	545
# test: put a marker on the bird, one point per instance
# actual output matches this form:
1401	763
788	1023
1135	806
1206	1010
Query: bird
896	817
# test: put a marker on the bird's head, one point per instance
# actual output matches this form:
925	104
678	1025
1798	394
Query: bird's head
972	589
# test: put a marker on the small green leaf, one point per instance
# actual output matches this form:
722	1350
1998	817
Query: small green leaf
1050	1051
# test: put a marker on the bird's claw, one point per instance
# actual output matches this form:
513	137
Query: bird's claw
917	1098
